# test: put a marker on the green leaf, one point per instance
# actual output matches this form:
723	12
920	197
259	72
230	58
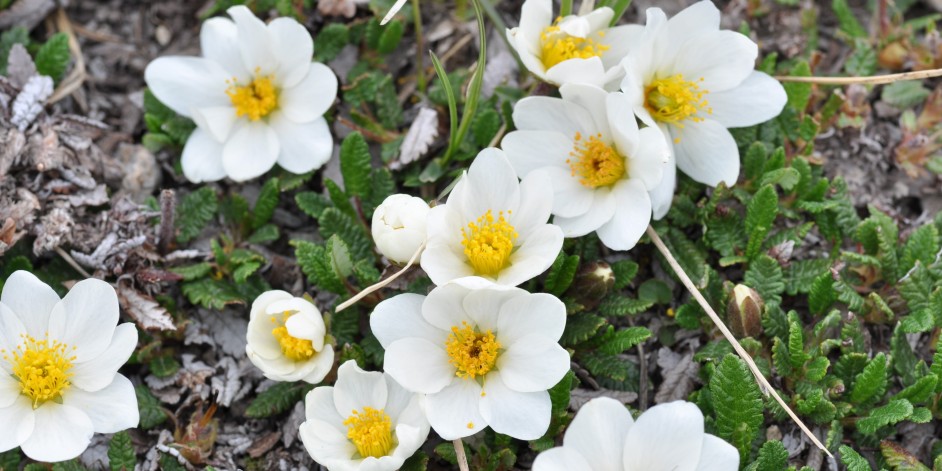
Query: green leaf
355	165
53	57
604	365
615	342
266	203
580	328
388	108
417	462
193	272
617	306
796	345
920	391
625	270
853	460
847	22
655	291
895	411
70	465
772	457
899	459
121	456
266	233
485	126
798	93
313	204
765	276
922	246
390	37
316	265
786	178
760	214
164	366
737	403
334	222
330	41
559	394
277	399
245	270
561	273
905	94
10	460
870	384
195	211
152	414
863	61
211	293
14	35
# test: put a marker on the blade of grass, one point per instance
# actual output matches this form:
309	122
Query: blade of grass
474	88
620	7
450	94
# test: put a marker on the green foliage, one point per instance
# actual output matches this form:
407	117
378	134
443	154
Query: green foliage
871	382
194	212
14	35
895	411
737	403
847	22
330	41
277	399
853	460
561	273
121	455
152	413
355	165
10	460
53	57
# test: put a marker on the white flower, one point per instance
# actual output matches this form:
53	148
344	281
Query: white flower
399	226
286	338
59	360
255	96
574	49
603	437
484	354
493	226
601	165
693	80
366	421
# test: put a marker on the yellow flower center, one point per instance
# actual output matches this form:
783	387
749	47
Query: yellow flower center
292	347
673	99
472	353
595	162
255	100
557	46
43	369
488	243
370	430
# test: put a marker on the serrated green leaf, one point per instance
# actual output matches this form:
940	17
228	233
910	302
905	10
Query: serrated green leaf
313	204
905	94
266	203
355	163
53	57
765	276
798	93
871	382
617	306
417	462
193	272
863	60
625	271
895	411
579	328
330	41
604	365
772	457
922	246
786	178
163	366
121	456
245	270
559	394
264	234
195	211
10	460
277	399
152	414
334	222
212	294
853	460
737	403
561	273
621	340
847	22
315	263
760	214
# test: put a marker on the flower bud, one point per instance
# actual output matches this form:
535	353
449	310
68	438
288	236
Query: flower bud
744	312
399	227
592	283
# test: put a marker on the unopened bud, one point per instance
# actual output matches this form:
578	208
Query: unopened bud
744	312
592	283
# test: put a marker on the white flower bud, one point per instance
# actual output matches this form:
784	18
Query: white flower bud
399	226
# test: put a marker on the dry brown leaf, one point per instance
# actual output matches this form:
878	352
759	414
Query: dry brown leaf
421	135
148	314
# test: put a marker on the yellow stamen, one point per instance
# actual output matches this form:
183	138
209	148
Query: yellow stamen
43	368
292	347
255	100
488	243
595	162
557	46
673	99
370	430
473	353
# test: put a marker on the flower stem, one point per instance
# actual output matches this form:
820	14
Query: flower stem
764	383
419	46
874	80
459	454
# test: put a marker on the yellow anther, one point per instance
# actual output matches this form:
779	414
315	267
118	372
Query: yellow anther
488	243
255	100
557	46
43	368
473	353
292	347
370	430
595	162
673	100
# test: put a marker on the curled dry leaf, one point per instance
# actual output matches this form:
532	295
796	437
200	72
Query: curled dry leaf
420	136
145	311
679	372
29	103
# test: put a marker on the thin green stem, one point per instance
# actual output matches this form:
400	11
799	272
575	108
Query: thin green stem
474	88
620	7
565	8
419	47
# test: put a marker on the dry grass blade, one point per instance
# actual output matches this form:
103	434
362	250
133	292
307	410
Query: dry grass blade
460	456
764	383
76	77
369	289
874	80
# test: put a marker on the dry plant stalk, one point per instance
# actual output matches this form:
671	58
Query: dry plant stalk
369	289
460	456
76	78
873	80
764	383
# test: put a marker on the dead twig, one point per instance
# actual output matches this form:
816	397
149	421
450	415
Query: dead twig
874	80
369	289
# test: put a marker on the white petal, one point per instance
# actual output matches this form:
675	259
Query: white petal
418	365
321	364
561	459
536	204
599	18
723	59
522	415
18	420
625	134
534	255
528	47
11	336
532	363
531	314
217	120
10	389
592	98
219	42
620	41
254	41
325	442
86	318
293	48
631	218
404	406
442	263
532	150
666	436
304	147
492	186
99	372
570	197
650	158
707	153
444	307
601	211
717	455
202	158
61	433
553	114
590	71
598	433
758	99
535	15
454	412
356	389
251	151
662	195
187	83
319	405
400	317
111	409
312	96
701	17
31	301
483	305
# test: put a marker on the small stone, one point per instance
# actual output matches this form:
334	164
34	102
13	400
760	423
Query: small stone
162	33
